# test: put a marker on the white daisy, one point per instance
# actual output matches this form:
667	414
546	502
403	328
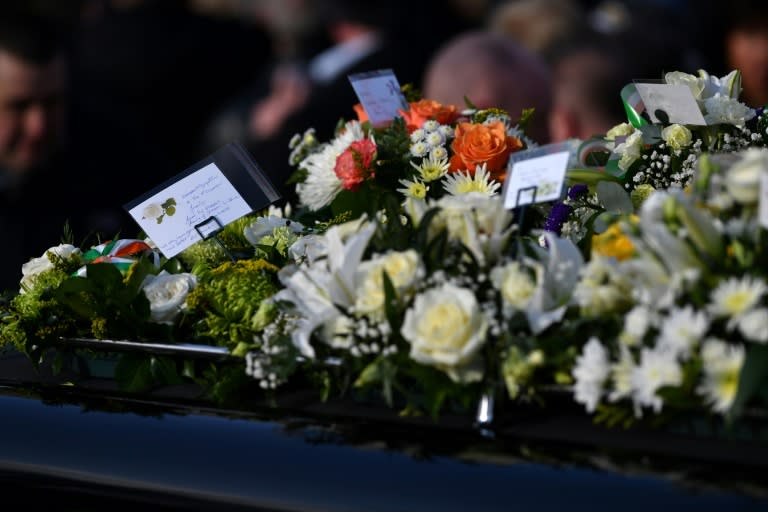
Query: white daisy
459	183
682	330
657	368
415	189
735	296
722	364
432	168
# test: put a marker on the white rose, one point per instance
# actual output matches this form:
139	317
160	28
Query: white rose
404	270
620	130
742	179
166	294
36	266
677	136
516	286
446	329
152	211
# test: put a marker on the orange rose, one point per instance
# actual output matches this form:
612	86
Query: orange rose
362	115
420	111
475	144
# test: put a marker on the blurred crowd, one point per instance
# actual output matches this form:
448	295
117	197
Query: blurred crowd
102	100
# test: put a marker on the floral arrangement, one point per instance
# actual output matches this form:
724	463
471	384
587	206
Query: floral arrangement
402	277
644	156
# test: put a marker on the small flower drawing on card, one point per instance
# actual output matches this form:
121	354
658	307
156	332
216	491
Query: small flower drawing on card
157	212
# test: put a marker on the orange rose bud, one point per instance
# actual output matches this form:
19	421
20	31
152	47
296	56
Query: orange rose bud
423	110
354	165
362	115
475	144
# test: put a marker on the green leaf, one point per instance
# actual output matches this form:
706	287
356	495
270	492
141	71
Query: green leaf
752	377
613	197
170	210
169	203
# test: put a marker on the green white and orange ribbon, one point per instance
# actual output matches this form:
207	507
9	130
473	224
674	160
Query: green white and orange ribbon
121	253
633	106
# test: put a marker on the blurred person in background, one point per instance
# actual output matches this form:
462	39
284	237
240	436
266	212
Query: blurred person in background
746	48
539	25
491	70
313	89
587	77
38	192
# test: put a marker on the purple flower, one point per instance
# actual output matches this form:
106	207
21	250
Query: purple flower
557	217
577	191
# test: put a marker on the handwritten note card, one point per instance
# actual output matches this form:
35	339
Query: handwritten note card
379	93
676	102
536	180
169	216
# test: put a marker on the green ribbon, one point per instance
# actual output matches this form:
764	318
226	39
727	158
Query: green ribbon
633	105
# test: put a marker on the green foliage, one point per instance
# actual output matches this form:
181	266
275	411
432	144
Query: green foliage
226	304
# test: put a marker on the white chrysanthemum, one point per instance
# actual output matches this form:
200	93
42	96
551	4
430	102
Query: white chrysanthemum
682	330
516	286
435	139
636	324
415	189
419	149
754	325
446	130
722	109
430	125
322	185
438	153
459	183
657	368
590	372
432	168
602	289
630	149
418	135
735	296
721	366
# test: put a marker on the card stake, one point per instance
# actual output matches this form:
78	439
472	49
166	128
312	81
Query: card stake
536	176
197	203
379	93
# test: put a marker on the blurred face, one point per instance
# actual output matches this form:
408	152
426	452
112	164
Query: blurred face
747	51
31	111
